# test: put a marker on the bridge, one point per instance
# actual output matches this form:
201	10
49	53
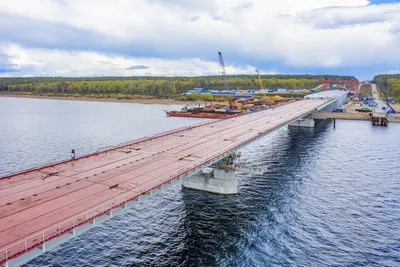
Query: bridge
44	207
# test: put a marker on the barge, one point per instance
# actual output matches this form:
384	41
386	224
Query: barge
204	115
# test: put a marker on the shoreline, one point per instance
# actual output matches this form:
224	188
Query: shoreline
347	116
115	100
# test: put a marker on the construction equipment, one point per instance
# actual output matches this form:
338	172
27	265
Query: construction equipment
232	105
391	110
259	80
221	63
364	110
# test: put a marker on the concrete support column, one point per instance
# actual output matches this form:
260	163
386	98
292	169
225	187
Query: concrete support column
304	122
219	182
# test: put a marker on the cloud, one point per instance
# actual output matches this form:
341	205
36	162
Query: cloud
6	68
137	67
45	62
243	7
187	5
329	17
296	34
194	18
393	71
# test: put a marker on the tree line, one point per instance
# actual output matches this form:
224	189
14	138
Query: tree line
154	86
389	85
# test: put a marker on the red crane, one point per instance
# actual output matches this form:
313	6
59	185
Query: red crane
331	82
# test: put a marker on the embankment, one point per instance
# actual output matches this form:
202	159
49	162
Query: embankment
351	116
342	116
85	98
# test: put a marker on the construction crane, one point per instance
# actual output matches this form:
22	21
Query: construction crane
259	80
221	62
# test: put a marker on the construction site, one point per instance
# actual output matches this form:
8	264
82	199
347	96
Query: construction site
353	101
363	104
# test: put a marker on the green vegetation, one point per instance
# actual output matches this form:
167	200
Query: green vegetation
160	87
389	85
365	90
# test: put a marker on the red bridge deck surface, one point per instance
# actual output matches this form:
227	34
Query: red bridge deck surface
34	202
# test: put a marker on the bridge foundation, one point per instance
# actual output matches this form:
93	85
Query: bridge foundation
218	182
304	122
218	179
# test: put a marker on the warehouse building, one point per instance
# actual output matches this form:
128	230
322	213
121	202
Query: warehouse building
339	96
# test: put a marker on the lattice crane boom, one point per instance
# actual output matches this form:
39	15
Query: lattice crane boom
260	80
221	63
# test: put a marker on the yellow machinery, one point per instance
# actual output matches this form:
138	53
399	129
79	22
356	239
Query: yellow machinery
259	80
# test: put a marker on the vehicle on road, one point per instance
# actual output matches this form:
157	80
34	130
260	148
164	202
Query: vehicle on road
338	110
363	110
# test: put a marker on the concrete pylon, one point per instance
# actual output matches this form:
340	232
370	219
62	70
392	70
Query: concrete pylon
218	182
215	180
304	122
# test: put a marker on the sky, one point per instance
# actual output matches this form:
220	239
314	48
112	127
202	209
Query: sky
183	37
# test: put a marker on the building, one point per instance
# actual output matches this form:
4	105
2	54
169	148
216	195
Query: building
338	95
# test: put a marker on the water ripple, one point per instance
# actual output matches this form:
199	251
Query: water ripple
328	197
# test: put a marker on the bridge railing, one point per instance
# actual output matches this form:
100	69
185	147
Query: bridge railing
110	148
119	146
68	225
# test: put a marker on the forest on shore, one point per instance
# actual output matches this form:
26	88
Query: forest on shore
152	87
389	85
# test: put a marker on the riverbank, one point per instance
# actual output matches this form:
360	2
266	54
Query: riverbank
342	116
86	98
351	116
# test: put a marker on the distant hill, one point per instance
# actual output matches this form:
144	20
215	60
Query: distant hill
389	84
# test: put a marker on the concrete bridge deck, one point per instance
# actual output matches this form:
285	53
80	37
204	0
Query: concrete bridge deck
39	205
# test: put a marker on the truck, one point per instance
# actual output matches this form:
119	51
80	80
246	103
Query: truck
372	104
364	110
390	109
338	110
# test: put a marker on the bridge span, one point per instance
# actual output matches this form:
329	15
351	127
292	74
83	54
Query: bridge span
44	207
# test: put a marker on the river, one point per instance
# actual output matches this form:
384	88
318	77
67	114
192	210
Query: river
328	197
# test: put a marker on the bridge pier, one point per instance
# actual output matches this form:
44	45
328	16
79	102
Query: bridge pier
220	179
219	182
304	122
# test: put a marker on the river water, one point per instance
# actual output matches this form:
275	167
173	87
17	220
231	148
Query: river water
328	197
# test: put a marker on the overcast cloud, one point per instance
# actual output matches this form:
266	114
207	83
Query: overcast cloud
182	37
